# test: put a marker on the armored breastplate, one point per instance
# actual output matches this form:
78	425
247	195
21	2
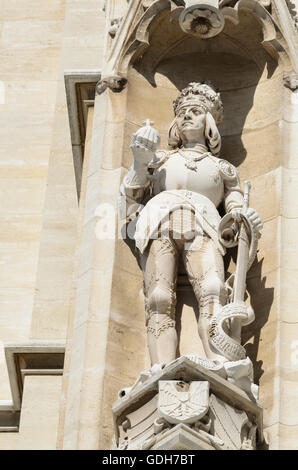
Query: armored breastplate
183	171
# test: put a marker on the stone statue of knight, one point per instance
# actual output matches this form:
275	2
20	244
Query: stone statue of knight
173	196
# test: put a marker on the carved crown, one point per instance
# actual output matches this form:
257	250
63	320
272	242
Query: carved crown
204	95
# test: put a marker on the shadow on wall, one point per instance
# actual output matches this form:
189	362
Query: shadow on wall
237	82
261	299
234	61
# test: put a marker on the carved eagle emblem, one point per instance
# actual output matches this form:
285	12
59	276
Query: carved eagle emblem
180	402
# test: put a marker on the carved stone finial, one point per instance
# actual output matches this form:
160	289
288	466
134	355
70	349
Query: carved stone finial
202	18
148	122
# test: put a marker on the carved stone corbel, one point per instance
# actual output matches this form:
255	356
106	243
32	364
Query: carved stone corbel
202	19
291	81
116	84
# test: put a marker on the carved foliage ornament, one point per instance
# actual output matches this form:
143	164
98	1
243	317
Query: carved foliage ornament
293	12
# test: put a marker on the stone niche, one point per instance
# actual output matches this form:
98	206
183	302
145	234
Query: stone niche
250	82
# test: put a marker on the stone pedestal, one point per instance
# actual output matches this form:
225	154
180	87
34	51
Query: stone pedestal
185	406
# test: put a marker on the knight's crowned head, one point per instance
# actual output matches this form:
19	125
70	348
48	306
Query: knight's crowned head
202	95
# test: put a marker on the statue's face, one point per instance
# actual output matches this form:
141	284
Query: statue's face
191	121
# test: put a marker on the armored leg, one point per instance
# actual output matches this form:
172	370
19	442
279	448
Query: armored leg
205	269
159	266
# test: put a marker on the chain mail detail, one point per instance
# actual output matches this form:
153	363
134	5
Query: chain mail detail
156	327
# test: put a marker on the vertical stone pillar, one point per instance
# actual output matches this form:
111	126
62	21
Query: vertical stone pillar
288	327
282	433
88	330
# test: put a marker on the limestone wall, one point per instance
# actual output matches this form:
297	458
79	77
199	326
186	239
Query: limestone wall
30	48
59	281
38	41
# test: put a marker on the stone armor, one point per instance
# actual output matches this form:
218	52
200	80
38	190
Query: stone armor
191	184
210	181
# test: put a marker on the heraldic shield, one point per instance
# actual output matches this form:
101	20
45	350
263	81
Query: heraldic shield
180	402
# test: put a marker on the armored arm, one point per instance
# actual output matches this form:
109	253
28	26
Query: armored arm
233	195
234	205
135	188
